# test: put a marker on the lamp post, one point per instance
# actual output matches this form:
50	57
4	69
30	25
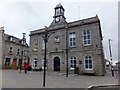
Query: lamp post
22	43
45	37
111	57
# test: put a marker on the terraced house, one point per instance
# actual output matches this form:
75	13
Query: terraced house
14	51
72	44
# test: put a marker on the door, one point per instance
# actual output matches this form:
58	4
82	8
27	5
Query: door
56	64
34	63
14	63
7	62
20	63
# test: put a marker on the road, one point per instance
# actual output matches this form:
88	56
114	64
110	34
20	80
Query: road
14	79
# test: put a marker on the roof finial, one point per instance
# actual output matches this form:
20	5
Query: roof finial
96	15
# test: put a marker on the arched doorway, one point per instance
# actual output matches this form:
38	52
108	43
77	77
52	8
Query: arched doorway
56	64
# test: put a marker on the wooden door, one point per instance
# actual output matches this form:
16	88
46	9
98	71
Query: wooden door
14	63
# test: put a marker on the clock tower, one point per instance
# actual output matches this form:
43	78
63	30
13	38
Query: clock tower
58	17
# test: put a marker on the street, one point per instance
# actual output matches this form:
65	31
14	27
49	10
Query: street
14	79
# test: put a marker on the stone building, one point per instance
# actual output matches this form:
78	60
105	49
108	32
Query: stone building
15	51
72	44
1	45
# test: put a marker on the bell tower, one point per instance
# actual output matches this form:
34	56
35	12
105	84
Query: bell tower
59	12
58	17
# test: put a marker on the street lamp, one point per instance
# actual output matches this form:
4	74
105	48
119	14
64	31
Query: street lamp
45	37
22	43
111	57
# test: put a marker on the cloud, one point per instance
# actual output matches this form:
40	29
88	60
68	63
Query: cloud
19	16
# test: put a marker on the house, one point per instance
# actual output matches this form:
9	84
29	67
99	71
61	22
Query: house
1	45
14	50
70	45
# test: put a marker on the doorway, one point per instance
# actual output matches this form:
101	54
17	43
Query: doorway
7	63
14	63
56	64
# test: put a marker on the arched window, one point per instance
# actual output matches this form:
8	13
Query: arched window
34	63
88	62
73	61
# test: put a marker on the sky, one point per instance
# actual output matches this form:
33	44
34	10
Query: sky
23	16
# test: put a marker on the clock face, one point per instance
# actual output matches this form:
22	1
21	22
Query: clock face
57	19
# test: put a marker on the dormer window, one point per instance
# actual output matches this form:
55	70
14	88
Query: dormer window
11	38
23	42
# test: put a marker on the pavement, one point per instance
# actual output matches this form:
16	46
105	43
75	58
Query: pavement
0	79
14	79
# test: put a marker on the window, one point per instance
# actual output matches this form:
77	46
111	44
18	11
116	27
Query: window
34	63
11	38
73	62
43	64
57	12
72	39
88	63
35	46
10	50
24	52
18	51
23	41
43	45
62	12
86	38
7	62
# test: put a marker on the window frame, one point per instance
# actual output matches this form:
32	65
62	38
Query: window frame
72	39
7	62
18	51
10	51
35	46
74	62
34	64
88	64
43	45
57	12
86	39
43	64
